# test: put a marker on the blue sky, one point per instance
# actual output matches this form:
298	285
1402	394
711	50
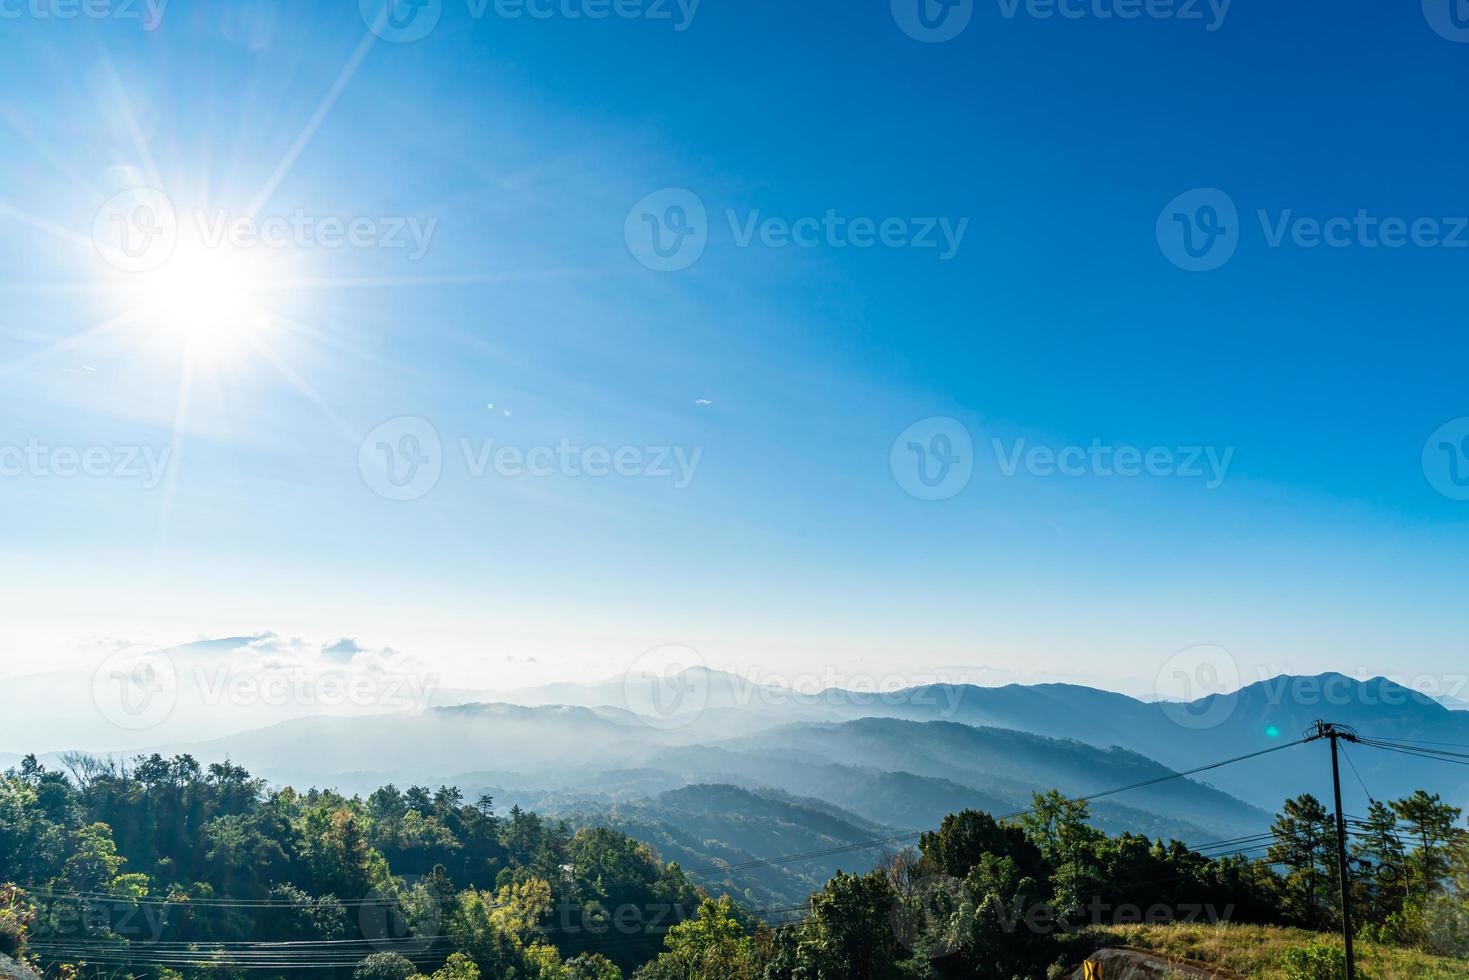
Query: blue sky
794	548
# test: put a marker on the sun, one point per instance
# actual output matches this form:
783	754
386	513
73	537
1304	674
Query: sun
210	301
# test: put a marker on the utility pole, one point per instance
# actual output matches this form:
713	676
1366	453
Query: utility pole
1327	730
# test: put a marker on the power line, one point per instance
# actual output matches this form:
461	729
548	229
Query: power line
187	901
1353	765
1419	753
1409	745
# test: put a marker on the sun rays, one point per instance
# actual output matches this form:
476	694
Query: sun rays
176	295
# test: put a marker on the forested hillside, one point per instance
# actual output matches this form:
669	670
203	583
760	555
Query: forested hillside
164	867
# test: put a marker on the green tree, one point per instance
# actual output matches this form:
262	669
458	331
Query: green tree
619	883
493	930
965	837
850	931
340	859
1304	839
384	966
95	866
292	914
1011	930
456	967
1430	824
713	945
1381	862
592	966
1058	827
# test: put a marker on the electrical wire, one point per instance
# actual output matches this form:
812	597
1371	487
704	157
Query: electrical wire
1417	753
1353	765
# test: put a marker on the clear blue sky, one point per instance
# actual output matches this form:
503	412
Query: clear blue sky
793	370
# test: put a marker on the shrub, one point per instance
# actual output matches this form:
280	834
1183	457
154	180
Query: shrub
1316	961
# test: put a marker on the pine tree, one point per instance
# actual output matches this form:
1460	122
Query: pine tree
1304	839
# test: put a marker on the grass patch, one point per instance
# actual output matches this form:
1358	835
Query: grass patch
1260	951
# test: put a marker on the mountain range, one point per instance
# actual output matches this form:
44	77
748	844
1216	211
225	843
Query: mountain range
714	770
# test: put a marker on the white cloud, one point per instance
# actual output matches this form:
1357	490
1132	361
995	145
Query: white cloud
344	649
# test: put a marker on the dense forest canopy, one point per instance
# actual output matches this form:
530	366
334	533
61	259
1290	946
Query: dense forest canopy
165	868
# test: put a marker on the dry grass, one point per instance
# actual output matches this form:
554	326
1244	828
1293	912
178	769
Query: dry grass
1258	951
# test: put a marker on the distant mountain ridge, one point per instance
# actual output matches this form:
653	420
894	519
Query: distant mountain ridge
890	772
1259	716
1182	735
573	740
